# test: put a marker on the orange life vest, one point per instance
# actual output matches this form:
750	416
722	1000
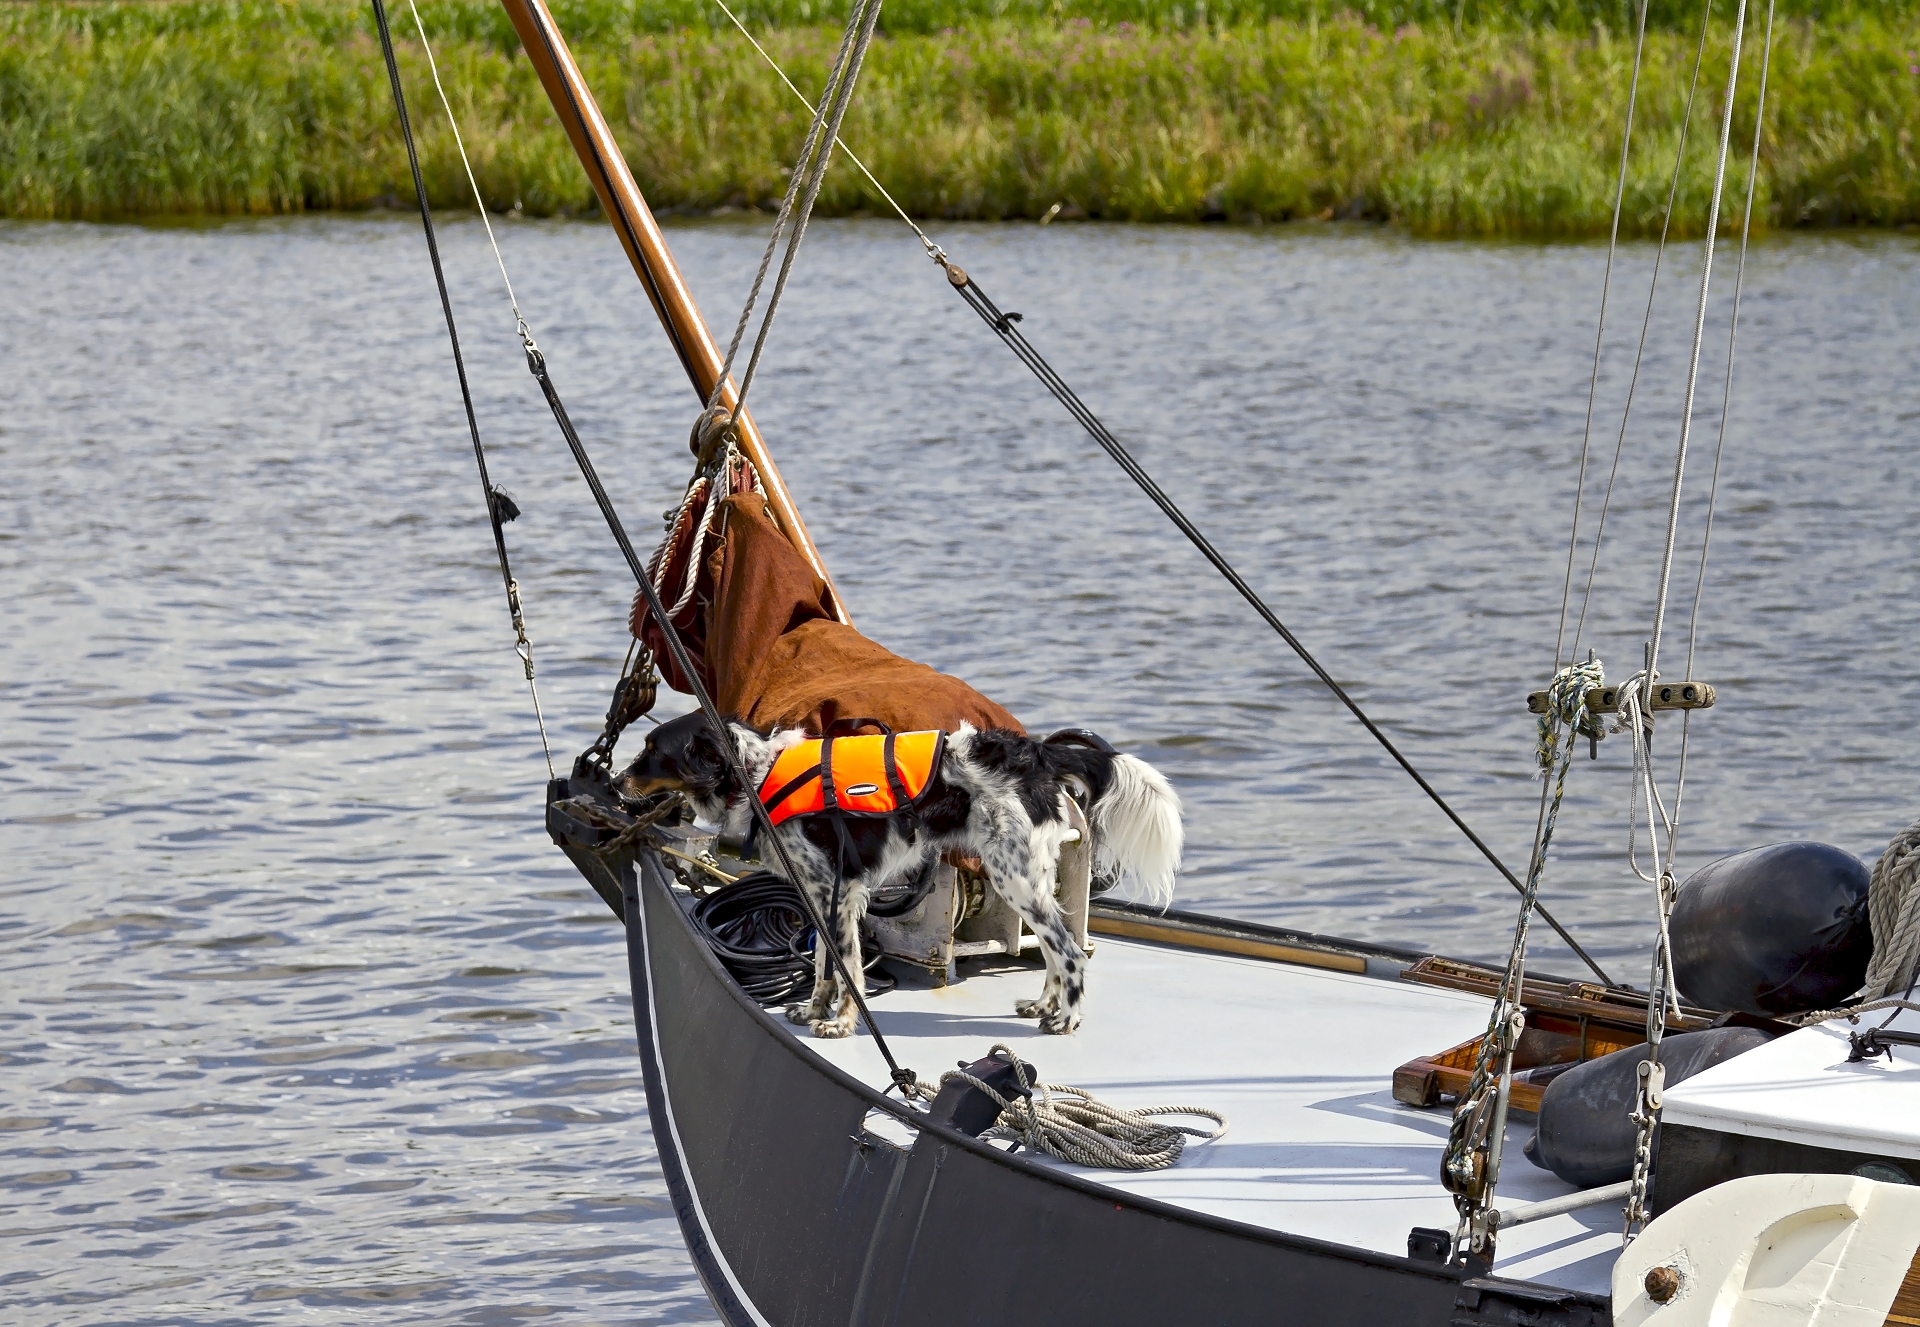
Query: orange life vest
867	775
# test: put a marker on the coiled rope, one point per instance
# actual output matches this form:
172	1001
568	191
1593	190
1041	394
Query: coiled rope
1067	1123
758	928
1893	912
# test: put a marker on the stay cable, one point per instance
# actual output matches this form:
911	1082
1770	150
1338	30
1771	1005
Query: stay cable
500	508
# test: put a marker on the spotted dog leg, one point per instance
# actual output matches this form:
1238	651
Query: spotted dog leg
821	999
1021	869
840	998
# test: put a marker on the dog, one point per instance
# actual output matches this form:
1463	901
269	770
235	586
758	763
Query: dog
992	794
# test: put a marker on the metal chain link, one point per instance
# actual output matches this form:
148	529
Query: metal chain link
1470	1166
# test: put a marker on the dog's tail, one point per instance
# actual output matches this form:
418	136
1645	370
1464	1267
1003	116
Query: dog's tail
1137	830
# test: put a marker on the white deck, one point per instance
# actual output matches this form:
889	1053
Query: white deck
1301	1063
1801	1089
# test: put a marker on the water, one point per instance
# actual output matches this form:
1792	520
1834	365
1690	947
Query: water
304	1019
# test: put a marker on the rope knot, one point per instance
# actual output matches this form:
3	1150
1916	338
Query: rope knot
1567	708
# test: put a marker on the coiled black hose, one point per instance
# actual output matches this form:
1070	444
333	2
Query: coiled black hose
757	927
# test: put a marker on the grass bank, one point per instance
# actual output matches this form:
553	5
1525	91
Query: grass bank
1446	126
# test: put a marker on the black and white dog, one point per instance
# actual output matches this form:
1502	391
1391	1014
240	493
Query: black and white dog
995	795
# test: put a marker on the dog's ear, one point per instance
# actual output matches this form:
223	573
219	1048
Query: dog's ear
704	765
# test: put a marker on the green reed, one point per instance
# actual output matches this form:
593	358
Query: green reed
1446	127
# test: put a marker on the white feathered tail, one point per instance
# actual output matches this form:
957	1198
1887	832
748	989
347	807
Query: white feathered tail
1137	830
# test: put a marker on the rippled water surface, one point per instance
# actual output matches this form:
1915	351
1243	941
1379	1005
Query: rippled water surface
303	1018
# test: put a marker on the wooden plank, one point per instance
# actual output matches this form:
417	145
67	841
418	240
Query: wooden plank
1577	999
1187	937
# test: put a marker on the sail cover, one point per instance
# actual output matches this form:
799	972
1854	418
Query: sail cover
753	615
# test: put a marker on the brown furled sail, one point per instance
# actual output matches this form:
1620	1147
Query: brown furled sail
771	653
762	618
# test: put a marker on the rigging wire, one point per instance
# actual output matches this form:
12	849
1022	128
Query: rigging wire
1002	325
1726	399
1660	984
1693	360
453	122
499	508
903	1078
1646	322
816	153
933	250
1599	336
622	223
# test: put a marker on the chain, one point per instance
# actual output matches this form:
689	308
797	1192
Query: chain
1470	1167
1663	995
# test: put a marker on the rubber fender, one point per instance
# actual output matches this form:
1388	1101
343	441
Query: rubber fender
1584	1135
1775	930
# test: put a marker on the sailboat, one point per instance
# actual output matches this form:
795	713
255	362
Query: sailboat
817	1181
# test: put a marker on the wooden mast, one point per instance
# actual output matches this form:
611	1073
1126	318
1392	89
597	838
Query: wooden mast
646	248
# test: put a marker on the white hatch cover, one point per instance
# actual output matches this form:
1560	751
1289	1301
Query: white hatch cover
1801	1089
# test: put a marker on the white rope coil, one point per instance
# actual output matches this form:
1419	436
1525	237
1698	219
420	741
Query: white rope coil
1893	911
1069	1124
1893	914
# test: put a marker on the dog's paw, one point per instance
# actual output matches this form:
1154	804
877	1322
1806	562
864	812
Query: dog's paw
1058	1024
832	1028
1031	1008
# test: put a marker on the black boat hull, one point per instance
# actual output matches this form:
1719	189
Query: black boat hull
795	1214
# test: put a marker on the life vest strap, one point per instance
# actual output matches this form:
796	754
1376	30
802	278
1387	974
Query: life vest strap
895	783
792	786
828	801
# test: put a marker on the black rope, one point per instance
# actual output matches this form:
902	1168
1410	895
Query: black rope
905	1079
536	363
500	507
1003	326
758	929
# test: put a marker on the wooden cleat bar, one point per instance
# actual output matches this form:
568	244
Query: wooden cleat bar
1666	696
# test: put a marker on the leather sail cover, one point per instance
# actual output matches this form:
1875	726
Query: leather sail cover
773	656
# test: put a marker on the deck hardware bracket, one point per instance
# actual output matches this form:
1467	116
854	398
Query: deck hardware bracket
1875	1042
1666	696
1425	1244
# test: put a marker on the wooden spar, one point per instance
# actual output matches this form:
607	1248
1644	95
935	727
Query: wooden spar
646	249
